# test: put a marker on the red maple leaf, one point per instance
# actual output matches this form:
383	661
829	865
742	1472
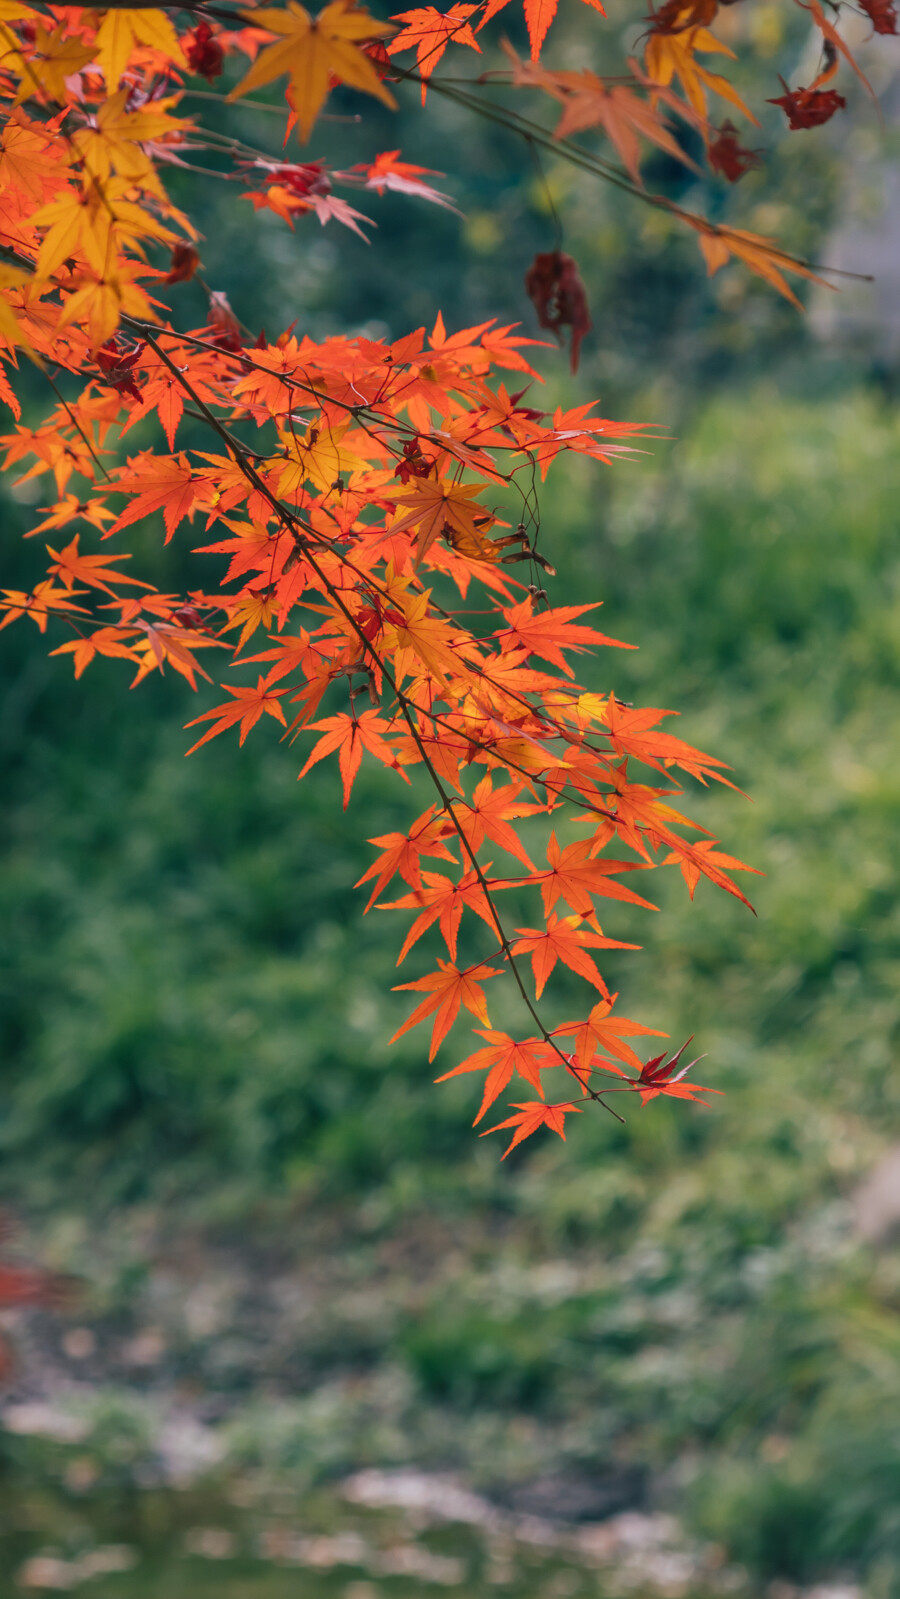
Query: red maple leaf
809	108
882	14
658	1076
554	287
728	156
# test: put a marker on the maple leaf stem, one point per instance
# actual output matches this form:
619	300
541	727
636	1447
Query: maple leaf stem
76	424
476	867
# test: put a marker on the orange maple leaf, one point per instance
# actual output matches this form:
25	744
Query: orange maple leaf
588	103
104	641
500	1058
759	254
43	599
604	1031
71	568
565	940
441	900
248	706
311	49
576	878
447	989
702	859
402	852
436	505
429	32
350	735
550	632
533	1115
632	731
159	483
489	813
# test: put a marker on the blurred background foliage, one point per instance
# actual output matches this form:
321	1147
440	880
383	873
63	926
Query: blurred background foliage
195	1014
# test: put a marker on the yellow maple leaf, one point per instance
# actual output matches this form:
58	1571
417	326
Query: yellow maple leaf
112	142
318	457
251	612
671	55
12	277
97	306
310	49
55	58
435	505
76	221
760	255
120	32
10	44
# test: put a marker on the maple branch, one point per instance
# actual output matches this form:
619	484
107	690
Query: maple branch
241	454
579	157
405	703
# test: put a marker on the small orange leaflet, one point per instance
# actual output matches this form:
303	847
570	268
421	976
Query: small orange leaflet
247	708
350	735
538	15
565	940
551	631
576	878
533	1115
447	988
71	568
501	1058
429	32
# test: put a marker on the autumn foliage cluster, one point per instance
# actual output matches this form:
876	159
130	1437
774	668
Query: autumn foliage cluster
373	573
